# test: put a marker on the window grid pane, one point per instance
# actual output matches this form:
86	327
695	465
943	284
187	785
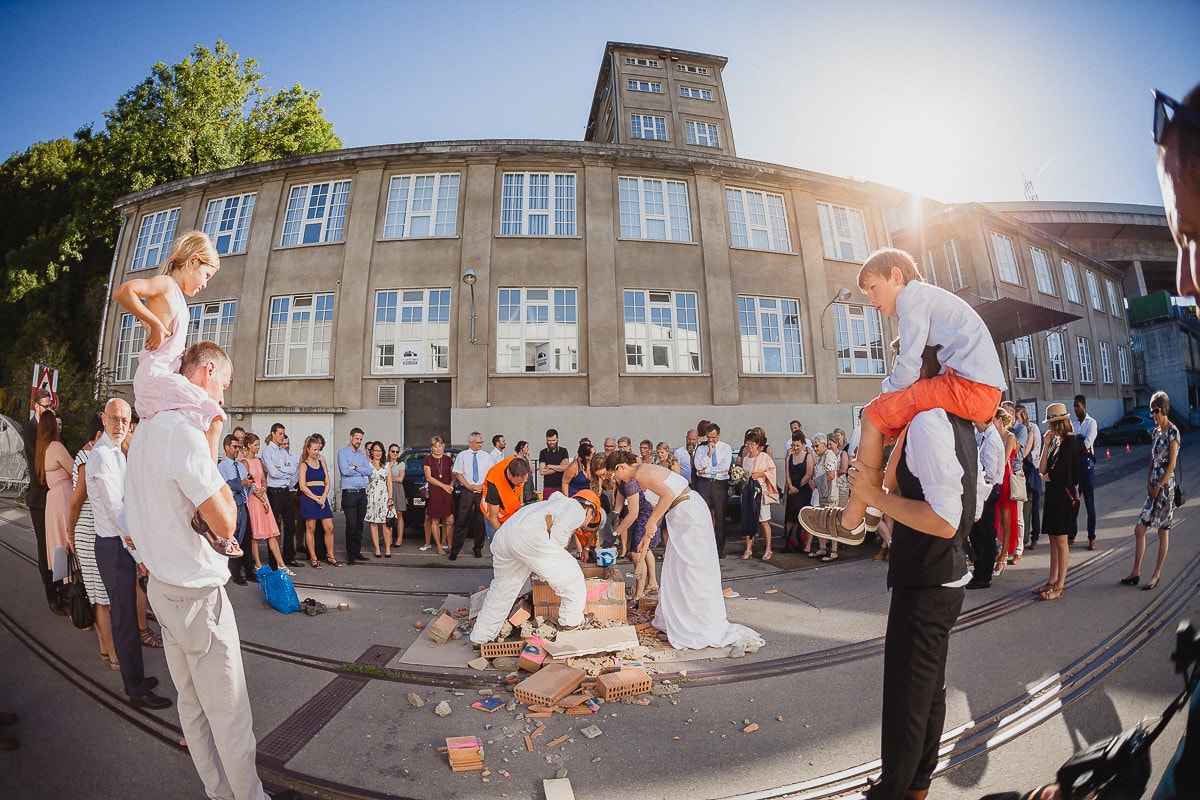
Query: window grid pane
1114	305
1024	365
1123	364
537	331
843	232
859	340
1059	372
769	330
1106	371
1084	348
1070	283
651	208
299	335
666	326
757	220
1006	259
1093	290
1041	271
155	238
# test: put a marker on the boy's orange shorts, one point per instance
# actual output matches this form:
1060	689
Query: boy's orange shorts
891	411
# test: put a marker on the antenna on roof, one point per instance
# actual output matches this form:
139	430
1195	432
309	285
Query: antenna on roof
1030	194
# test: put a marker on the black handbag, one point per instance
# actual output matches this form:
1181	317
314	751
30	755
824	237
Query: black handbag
74	595
1180	492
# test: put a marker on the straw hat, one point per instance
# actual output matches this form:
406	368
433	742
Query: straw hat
1056	411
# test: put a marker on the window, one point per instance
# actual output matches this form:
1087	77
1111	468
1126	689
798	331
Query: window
896	218
131	338
299	335
1070	283
412	331
644	86
1024	365
1093	290
757	220
954	265
643	126
537	331
843	232
1084	348
538	204
316	213
1006	259
421	205
703	134
662	331
929	261
694	93
688	68
1041	271
1123	364
1106	373
1114	303
1059	373
641	62
652	208
859	340
212	322
154	240
770	335
227	222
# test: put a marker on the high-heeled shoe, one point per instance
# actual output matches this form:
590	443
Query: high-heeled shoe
1152	584
1131	581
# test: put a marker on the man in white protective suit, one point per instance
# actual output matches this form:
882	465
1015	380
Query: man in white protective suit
534	539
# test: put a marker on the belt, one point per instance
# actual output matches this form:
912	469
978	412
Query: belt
684	495
354	491
711	480
280	489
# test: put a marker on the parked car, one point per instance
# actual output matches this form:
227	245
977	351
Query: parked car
414	480
1132	428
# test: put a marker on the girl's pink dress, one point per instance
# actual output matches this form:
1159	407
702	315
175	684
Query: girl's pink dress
262	520
58	509
157	384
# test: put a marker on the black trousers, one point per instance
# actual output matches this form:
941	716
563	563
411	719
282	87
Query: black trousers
468	520
983	538
118	571
914	687
281	506
716	494
38	517
354	506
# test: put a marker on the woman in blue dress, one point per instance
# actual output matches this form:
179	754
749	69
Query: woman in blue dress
633	526
314	498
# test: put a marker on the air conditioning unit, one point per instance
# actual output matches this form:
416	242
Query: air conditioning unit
389	394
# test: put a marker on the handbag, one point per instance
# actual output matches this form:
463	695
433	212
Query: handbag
74	595
1018	490
1073	493
277	589
1180	492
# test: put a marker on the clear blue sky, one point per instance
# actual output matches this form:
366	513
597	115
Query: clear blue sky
957	100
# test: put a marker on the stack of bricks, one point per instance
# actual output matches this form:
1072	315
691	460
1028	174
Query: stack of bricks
465	753
627	682
548	685
606	593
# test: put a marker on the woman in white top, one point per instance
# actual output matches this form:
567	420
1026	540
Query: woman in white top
378	499
760	469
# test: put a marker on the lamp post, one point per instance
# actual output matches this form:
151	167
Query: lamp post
469	277
842	296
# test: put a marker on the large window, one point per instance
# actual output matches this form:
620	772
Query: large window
662	331
645	126
703	134
212	322
695	93
757	219
1106	370
1093	288
537	330
421	205
859	340
843	232
954	265
641	62
1070	282
1123	364
1114	303
412	331
1006	258
227	222
644	86
299	335
932	273
316	213
131	338
154	239
1084	348
1024	364
770	335
1059	372
538	204
654	208
1041	270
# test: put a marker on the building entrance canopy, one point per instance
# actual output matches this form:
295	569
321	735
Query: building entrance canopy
1009	318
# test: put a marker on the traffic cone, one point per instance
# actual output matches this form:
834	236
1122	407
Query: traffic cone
1107	453
1127	447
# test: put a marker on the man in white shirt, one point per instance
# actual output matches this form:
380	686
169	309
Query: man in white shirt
281	471
171	475
685	455
712	461
983	533
470	468
497	451
118	569
1085	431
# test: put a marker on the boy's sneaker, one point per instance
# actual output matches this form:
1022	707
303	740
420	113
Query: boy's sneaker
826	523
872	518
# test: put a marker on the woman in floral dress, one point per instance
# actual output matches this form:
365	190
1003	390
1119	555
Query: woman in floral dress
378	499
1159	508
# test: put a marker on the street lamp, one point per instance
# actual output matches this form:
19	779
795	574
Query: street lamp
842	296
469	277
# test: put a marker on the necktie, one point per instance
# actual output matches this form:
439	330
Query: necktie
475	467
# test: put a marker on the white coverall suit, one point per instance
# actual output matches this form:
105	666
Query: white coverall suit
522	545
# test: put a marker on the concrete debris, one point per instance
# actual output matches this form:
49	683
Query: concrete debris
591	731
664	690
415	700
442	709
558	789
560	774
486	693
751	728
737	651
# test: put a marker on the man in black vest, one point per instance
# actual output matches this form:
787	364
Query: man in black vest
932	508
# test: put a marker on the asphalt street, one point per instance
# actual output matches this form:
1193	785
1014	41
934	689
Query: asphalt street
1029	682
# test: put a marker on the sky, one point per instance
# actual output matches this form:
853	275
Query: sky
958	101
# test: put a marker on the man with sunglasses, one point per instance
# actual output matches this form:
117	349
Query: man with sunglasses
1177	134
35	497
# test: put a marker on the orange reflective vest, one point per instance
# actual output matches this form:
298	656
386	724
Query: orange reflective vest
510	496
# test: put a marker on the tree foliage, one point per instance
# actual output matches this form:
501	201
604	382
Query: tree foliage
207	112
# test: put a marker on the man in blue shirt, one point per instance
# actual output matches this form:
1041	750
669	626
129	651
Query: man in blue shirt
239	481
355	470
282	470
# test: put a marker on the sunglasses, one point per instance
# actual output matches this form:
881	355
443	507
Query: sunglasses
1167	111
1156	411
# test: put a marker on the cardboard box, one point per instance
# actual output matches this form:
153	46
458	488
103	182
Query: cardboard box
549	685
533	655
626	683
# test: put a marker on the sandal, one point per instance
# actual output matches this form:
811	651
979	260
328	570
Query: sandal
150	638
746	556
817	553
333	562
1042	588
767	555
1053	593
1016	559
315	564
830	557
115	666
